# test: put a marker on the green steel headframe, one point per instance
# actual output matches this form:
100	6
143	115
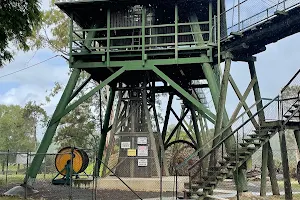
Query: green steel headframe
128	44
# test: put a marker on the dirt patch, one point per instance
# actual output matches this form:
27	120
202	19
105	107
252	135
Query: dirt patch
249	196
49	191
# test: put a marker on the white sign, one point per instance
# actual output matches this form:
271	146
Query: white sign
142	150
125	145
142	162
142	140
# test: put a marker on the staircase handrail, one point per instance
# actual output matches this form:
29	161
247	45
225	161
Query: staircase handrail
225	129
233	132
224	139
293	78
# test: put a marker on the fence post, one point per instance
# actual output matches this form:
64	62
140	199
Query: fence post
71	174
239	16
176	183
237	168
7	157
27	163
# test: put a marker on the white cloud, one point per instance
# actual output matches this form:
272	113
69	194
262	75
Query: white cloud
32	84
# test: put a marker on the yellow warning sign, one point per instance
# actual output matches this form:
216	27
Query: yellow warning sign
131	152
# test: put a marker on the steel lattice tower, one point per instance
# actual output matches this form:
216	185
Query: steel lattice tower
142	48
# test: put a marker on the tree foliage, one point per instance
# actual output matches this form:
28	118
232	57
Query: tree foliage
53	30
15	129
18	20
77	129
34	114
291	91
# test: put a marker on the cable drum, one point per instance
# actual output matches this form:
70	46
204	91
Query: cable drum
80	160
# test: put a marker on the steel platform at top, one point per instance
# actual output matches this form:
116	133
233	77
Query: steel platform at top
88	11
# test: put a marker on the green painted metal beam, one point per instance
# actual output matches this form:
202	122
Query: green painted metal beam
184	127
297	137
242	99
104	131
285	166
200	107
175	128
215	90
167	116
111	142
137	64
264	160
80	88
89	94
144	56
267	146
197	132
176	31
274	184
256	90
222	98
108	38
49	134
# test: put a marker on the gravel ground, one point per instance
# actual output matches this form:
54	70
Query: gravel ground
49	191
254	186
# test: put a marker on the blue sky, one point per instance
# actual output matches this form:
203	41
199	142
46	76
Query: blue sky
274	67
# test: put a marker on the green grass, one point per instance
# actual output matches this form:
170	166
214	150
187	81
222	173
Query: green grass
18	178
294	183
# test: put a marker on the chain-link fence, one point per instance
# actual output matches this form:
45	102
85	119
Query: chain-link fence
122	178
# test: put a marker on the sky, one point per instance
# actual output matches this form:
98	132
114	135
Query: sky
274	67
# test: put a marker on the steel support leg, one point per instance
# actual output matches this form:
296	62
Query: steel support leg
167	116
285	166
297	136
215	92
264	159
47	139
112	134
222	100
261	115
104	131
272	172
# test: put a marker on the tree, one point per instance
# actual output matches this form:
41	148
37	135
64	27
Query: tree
291	91
18	20
34	114
77	129
14	131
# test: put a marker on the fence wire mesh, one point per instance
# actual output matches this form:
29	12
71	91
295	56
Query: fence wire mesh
122	179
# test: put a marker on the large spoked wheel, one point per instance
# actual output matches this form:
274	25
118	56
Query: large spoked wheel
80	160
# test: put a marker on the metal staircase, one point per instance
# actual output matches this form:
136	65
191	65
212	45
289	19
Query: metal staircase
202	181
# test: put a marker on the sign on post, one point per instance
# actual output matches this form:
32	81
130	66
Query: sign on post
142	162
131	152
125	145
142	140
142	150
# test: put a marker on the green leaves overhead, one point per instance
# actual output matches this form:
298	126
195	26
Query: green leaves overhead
18	20
53	31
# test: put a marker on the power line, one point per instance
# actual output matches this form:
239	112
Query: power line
29	66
